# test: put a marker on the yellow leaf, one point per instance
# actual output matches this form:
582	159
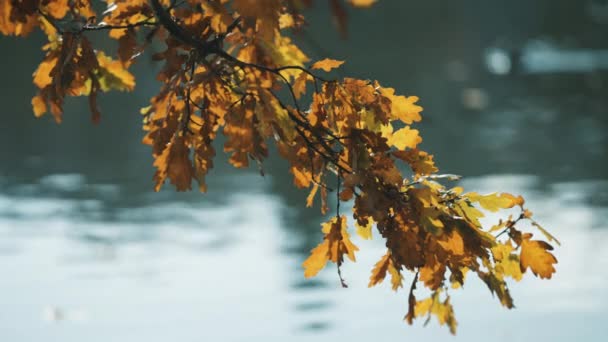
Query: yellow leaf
327	64
452	243
362	3
405	138
365	232
42	75
396	278
299	85
317	259
507	263
403	108
301	178
468	213
379	270
113	75
492	202
337	244
38	105
311	195
267	15
285	53
58	8
535	255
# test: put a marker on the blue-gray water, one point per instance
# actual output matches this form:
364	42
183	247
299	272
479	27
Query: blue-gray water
89	252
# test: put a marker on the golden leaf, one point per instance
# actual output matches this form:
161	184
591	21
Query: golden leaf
492	202
336	244
42	75
362	3
327	64
507	263
396	278
58	8
535	255
299	85
403	108
365	232
405	138
452	243
311	195
113	75
379	270
317	259
38	105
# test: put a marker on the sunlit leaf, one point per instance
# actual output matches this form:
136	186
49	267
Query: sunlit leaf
327	64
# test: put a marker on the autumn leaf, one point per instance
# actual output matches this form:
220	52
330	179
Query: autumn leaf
336	244
317	260
362	3
506	262
403	108
405	138
379	270
492	202
364	231
327	64
535	255
39	105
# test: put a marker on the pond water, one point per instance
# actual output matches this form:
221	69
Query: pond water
89	252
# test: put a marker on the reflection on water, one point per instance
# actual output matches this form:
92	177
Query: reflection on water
88	252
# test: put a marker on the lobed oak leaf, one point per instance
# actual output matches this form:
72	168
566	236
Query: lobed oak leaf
336	244
432	274
113	75
174	163
534	255
403	108
405	138
421	162
492	202
317	259
266	15
507	263
379	270
327	64
452	242
468	213
299	85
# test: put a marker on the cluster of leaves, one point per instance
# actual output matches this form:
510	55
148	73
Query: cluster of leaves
229	67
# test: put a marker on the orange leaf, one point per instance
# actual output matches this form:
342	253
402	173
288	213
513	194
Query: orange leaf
535	255
362	3
327	64
317	260
379	271
38	105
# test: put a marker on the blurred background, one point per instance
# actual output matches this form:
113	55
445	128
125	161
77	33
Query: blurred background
515	100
